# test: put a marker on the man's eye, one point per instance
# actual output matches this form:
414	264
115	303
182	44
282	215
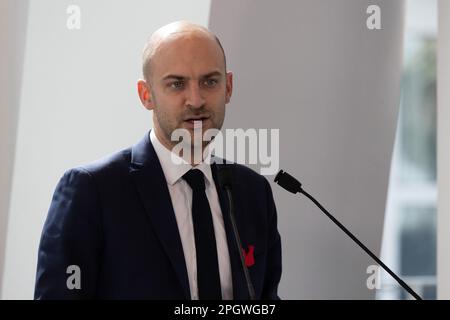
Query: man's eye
211	82
177	84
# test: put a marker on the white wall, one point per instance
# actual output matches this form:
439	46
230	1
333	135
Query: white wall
78	103
13	21
443	136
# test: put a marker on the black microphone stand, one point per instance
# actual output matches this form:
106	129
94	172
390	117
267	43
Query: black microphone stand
225	181
291	184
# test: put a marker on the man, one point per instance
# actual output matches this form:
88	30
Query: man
138	225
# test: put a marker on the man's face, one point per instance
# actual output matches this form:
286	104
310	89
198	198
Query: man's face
188	82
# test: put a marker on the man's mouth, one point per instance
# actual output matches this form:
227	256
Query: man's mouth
196	121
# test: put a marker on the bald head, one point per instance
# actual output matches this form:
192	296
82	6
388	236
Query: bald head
171	32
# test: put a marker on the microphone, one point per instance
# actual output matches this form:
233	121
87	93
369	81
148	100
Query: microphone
224	173
291	184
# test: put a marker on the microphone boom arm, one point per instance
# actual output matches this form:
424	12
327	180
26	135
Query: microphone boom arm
291	184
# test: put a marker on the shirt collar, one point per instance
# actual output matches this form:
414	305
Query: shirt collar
174	171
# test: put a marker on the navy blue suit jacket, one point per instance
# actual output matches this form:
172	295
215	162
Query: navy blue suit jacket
114	220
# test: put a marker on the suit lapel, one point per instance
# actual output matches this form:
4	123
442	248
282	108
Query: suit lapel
151	184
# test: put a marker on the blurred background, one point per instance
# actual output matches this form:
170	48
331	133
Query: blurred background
356	108
410	233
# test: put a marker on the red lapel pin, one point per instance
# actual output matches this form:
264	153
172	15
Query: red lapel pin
249	256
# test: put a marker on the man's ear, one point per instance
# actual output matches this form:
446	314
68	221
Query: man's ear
145	95
229	86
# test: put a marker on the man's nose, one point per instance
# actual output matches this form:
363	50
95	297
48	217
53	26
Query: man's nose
194	96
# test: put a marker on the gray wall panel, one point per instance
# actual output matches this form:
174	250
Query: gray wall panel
13	25
313	70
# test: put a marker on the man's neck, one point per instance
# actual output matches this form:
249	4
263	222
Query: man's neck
169	145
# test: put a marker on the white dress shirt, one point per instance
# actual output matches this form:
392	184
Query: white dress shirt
181	196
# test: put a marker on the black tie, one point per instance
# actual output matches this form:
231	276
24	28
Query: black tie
208	279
